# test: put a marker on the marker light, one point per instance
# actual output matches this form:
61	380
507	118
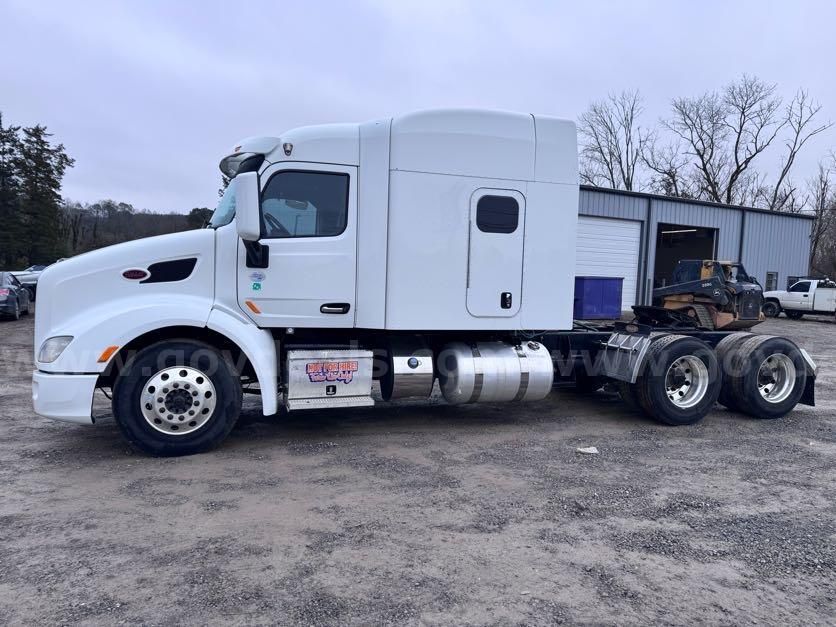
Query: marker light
107	354
52	348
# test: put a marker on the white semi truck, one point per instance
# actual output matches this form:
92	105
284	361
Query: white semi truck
432	247
807	296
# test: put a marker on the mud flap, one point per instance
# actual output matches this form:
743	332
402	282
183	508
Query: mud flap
623	356
809	396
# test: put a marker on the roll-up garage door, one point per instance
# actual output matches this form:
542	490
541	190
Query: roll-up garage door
610	247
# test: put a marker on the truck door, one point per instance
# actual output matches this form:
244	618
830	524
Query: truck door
309	226
799	297
495	260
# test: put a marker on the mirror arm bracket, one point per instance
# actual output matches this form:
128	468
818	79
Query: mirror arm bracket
258	254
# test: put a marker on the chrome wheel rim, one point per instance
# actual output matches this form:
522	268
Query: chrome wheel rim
178	400
776	378
686	381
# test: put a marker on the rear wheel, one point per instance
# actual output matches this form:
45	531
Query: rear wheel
630	395
177	397
771	309
680	382
794	315
725	351
16	312
767	376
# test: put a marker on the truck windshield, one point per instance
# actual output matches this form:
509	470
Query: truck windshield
225	210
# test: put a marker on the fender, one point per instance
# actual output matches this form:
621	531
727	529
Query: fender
117	324
259	347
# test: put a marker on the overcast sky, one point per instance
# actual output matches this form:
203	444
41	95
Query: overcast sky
148	96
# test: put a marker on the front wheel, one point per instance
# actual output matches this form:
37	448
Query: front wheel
771	309
680	382
177	397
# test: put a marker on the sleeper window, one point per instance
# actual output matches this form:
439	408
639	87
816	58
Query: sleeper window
497	214
304	204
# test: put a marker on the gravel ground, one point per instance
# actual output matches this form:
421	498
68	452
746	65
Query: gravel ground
425	514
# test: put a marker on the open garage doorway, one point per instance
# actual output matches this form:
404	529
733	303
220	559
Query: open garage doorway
675	242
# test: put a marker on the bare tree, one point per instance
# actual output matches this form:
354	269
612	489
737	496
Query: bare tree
670	169
724	133
823	203
800	120
612	141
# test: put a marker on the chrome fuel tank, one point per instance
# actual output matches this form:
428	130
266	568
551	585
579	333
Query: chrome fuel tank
494	372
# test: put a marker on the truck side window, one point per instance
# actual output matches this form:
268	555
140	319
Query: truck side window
803	286
304	204
497	214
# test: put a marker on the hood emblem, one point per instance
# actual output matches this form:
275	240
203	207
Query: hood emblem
288	148
135	274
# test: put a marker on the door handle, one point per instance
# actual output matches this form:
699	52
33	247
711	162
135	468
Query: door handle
335	308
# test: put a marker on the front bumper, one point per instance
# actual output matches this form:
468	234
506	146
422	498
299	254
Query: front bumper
67	397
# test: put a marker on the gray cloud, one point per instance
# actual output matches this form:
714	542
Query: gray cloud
147	96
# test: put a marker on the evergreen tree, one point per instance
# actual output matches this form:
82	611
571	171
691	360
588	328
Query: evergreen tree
41	166
198	217
11	231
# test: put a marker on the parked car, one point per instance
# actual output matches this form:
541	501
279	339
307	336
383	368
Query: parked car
809	296
14	297
29	278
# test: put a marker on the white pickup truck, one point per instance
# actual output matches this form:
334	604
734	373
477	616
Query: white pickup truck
807	296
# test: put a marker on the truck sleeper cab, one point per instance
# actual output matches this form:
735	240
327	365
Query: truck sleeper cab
412	250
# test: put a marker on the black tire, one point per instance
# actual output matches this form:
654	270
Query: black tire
140	369
725	350
652	387
16	314
744	374
771	309
794	315
630	396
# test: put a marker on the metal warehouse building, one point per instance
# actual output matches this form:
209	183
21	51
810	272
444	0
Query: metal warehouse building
640	237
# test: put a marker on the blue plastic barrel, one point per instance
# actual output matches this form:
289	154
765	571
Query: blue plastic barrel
598	297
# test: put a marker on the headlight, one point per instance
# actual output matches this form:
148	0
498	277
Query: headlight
53	347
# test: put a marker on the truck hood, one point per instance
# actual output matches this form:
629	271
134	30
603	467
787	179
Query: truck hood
69	289
775	294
